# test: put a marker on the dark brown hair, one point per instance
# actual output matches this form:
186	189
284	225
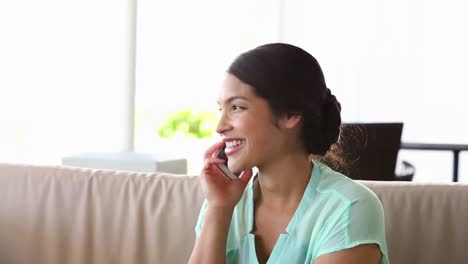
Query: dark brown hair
292	82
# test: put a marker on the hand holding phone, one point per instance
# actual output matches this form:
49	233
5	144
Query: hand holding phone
223	166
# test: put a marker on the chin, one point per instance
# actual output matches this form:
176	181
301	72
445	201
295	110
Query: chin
235	169
239	168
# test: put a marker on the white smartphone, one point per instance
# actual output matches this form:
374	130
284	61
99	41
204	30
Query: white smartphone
223	166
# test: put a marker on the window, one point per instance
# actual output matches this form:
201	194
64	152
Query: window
393	61
183	50
60	86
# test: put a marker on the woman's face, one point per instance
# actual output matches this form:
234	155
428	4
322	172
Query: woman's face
247	126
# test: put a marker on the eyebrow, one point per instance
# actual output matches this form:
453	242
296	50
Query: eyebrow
232	98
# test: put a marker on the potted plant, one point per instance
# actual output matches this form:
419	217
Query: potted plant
188	134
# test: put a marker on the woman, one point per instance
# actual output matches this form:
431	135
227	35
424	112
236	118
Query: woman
276	113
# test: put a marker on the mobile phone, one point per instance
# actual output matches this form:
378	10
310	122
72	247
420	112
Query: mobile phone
222	166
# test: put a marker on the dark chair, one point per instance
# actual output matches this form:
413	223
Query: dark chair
371	150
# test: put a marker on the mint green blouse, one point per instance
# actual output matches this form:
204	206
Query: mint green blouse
335	213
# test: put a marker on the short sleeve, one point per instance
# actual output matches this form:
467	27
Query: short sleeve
201	218
361	222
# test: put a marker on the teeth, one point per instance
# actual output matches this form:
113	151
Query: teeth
234	143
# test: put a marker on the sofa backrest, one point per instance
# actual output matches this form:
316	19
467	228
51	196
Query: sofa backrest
62	215
425	222
73	215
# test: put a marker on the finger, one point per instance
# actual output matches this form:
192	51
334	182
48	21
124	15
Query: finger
212	172
212	149
246	176
210	161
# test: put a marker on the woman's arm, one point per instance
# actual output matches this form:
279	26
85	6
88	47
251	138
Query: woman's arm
222	195
210	247
362	254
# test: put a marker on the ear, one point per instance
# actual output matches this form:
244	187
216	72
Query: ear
290	120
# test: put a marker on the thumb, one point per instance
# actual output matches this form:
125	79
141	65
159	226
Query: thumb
246	175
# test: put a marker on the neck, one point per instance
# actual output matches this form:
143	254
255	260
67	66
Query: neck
282	182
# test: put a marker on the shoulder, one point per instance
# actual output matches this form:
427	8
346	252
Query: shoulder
341	197
353	213
339	187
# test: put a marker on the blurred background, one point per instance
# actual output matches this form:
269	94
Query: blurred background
118	76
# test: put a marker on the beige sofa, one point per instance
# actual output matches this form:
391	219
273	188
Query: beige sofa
59	215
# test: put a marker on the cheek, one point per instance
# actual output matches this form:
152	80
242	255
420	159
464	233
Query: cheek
259	130
262	137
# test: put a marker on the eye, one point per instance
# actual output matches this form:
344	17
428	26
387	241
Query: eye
237	108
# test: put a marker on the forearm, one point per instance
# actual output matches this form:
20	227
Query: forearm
210	246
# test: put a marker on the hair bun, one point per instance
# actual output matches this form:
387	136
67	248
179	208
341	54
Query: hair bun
331	118
326	132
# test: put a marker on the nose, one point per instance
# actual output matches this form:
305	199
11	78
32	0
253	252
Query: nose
223	124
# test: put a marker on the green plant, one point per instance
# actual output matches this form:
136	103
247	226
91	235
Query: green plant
186	123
